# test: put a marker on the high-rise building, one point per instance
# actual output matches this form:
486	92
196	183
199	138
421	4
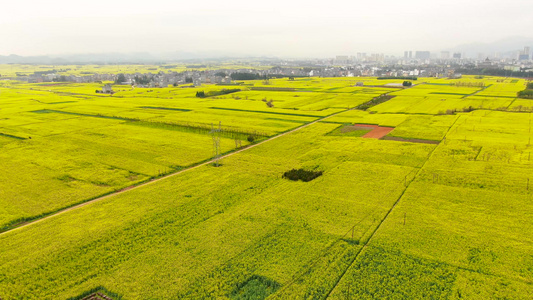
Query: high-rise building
457	55
406	54
445	54
377	57
422	54
342	59
524	55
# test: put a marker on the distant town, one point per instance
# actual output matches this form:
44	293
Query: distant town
413	64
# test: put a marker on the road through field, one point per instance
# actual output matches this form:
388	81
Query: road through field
124	190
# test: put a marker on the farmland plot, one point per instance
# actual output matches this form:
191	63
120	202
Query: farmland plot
384	218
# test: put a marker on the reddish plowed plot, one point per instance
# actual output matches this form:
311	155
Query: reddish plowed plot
377	131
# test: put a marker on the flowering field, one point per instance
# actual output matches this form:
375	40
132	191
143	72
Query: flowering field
405	219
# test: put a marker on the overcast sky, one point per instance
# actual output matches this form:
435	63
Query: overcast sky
276	28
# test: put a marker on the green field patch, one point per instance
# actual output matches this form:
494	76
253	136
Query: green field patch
442	93
98	293
12	136
47	111
66	178
375	101
165	108
493	96
227	132
266	112
43	111
255	288
63	102
333	122
287	120
397	274
350	130
409	140
277	89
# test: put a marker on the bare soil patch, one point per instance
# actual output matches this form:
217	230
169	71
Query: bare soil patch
378	131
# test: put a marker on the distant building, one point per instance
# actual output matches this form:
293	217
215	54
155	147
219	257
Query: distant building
378	57
456	76
524	54
107	89
342	59
361	56
445	54
457	55
485	64
422	54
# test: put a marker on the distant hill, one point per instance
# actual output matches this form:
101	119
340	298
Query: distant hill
103	58
79	58
507	46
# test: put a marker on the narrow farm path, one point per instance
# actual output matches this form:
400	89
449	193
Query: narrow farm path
388	213
476	92
133	187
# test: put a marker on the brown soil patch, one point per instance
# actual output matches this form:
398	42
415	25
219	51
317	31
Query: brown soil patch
377	131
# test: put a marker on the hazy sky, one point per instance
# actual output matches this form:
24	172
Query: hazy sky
281	28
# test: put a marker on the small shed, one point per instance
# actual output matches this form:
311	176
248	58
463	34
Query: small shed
107	89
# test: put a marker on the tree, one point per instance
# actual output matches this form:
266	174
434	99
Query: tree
246	76
61	78
121	78
200	94
142	80
407	83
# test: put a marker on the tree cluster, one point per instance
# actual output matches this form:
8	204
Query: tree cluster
494	72
120	79
202	94
527	93
247	76
398	77
144	79
61	78
301	174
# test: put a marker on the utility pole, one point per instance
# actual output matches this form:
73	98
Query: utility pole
215	135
